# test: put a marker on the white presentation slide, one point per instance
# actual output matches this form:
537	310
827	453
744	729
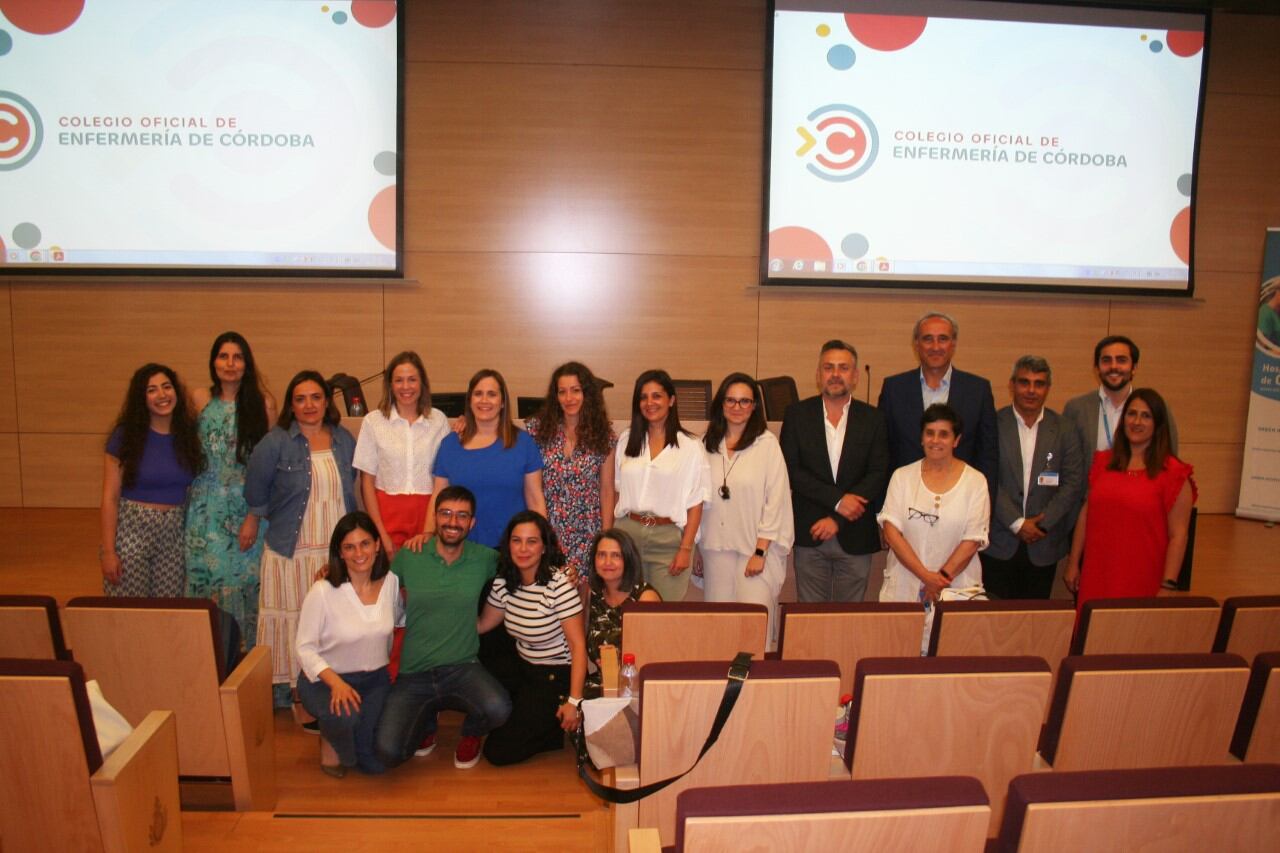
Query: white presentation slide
982	144
204	135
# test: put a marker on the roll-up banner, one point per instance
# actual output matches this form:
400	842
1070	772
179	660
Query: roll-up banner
1260	470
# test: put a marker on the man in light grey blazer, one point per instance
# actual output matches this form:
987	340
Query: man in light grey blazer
1038	492
1097	413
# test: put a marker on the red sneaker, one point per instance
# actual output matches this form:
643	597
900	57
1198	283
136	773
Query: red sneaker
427	746
467	754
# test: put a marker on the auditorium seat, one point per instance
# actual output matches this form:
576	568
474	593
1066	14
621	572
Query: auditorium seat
778	392
29	628
1112	712
1226	809
1249	625
779	731
1146	626
164	653
946	814
968	716
846	632
693	399
668	631
1034	628
57	792
1257	733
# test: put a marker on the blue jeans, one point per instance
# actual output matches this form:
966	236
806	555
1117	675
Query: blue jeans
350	735
416	698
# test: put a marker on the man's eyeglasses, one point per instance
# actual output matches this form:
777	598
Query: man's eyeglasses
450	514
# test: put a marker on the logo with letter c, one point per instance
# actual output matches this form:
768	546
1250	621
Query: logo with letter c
21	131
840	142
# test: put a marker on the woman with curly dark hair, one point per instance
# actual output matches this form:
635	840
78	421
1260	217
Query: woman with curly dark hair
542	612
577	442
153	454
223	545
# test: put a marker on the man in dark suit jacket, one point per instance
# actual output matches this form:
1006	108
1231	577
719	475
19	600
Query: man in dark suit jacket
1041	485
905	396
837	456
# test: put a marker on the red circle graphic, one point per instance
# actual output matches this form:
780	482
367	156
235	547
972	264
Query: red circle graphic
1184	42
373	13
42	17
885	32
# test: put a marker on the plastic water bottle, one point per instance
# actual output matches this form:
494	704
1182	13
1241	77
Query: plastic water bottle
628	681
842	718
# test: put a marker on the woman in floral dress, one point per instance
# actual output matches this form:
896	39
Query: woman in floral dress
235	413
572	430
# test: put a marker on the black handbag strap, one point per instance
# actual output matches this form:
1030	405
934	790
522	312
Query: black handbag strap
739	670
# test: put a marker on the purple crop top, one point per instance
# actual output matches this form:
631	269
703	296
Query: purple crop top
161	477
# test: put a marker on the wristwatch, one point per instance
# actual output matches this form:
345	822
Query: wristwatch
759	552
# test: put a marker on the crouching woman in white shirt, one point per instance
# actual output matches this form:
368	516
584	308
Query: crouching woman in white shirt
344	641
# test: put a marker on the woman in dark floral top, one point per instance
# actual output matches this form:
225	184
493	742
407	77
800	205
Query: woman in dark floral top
615	580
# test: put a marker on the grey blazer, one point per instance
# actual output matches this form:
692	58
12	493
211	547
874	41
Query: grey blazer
1057	450
1083	412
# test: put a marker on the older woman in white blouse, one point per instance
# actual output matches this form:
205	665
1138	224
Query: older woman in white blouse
747	527
935	518
344	641
662	480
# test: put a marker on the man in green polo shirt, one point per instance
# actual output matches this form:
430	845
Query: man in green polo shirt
441	583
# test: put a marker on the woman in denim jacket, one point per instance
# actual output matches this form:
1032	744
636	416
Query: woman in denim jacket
300	480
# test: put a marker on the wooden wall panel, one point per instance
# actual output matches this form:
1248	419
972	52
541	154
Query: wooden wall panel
653	33
8	399
10	470
1242	54
77	344
536	158
620	314
1238	189
62	469
1217	474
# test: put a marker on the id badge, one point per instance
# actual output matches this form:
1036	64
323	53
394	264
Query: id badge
1047	478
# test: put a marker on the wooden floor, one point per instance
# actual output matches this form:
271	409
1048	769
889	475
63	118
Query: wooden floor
427	803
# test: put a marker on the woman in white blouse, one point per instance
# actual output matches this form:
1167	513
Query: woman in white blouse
662	479
344	639
935	517
747	528
395	451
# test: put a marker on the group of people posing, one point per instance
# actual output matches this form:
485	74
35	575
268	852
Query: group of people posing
550	529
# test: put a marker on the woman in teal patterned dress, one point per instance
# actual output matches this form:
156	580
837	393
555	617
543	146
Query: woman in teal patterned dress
224	544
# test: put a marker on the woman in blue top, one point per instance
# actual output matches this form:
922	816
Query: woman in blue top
152	456
499	463
235	413
301	481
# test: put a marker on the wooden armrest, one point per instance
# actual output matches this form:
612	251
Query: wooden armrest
645	840
135	791
625	815
247	719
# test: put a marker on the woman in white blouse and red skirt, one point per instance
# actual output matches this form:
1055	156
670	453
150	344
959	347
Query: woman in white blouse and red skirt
395	452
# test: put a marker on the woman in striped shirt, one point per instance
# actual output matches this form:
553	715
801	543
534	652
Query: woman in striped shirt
543	613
